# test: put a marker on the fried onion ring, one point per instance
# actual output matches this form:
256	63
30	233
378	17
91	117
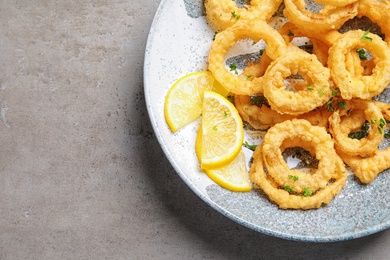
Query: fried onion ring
262	117
328	18
256	30
364	146
364	87
297	61
378	12
298	131
283	198
223	14
367	168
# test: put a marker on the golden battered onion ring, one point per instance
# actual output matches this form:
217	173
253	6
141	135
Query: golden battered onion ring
367	168
378	12
328	18
336	2
297	61
223	14
284	199
298	131
365	146
263	117
364	87
256	30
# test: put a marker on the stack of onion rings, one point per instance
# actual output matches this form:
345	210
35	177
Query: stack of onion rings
330	89
290	193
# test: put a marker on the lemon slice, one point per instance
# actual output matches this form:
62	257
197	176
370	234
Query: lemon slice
183	102
222	131
233	177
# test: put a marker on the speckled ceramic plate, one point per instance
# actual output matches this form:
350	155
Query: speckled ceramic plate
178	44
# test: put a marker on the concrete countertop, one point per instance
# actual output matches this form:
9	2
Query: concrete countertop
76	146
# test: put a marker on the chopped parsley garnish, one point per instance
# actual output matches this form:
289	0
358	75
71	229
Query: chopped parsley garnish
365	37
235	16
307	192
248	76
386	134
310	87
249	146
373	121
342	104
382	123
233	67
225	114
215	35
321	92
329	106
362	54
288	188
261	51
215	128
293	177
335	92
362	133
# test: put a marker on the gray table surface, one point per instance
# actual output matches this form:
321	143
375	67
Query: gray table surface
82	175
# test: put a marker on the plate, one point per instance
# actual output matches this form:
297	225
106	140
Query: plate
178	44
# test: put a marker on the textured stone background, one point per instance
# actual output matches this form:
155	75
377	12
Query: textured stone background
81	173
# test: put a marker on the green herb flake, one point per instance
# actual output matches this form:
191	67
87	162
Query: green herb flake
310	87
362	54
382	123
215	35
365	37
290	33
373	121
249	146
342	104
235	16
215	128
362	133
233	67
307	192
261	51
293	177
329	106
225	114
248	76
335	92
288	188
321	92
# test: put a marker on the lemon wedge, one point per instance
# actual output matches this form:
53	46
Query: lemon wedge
233	177
183	102
222	131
